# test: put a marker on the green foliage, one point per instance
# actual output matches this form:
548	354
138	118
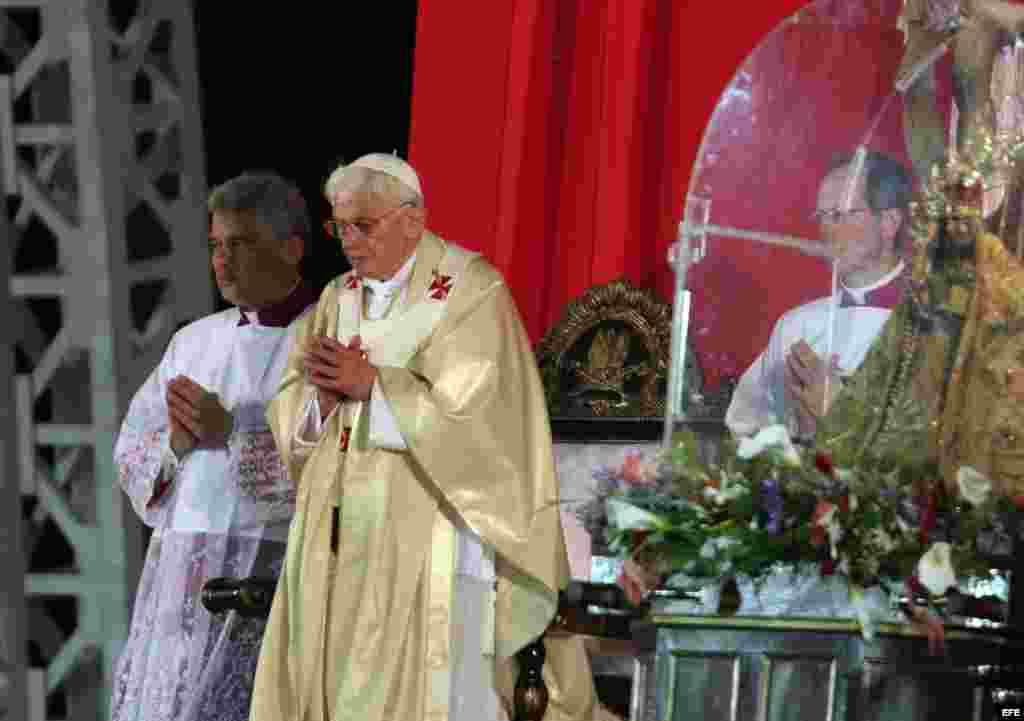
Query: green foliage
750	516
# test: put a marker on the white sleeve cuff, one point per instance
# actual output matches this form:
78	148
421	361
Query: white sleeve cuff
169	466
312	427
384	430
169	463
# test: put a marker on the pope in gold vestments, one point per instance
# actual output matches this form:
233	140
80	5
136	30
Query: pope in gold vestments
366	631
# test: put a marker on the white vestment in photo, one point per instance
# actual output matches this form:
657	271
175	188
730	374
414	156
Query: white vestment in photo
844	325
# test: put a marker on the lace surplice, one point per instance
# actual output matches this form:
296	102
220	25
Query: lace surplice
217	513
181	662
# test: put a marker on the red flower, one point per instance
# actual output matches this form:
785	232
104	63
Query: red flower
828	567
823	462
631	588
844	503
820	511
970	195
916	588
928	514
818	531
1018	501
636	580
633	470
638	537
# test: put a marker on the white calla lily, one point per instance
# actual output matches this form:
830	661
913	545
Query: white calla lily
975	487
721	496
935	569
625	516
776	436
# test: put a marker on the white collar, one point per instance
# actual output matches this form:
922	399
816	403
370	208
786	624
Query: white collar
858	294
394	283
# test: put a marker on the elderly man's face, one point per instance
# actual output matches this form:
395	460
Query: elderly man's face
252	267
384	235
861	241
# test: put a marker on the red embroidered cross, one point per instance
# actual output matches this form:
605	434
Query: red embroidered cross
440	287
346	433
353	282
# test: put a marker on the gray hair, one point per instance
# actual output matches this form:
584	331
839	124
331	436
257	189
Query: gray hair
274	200
371	183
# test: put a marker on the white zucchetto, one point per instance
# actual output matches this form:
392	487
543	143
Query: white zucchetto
391	165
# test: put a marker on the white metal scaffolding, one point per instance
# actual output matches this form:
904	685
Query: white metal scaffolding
101	165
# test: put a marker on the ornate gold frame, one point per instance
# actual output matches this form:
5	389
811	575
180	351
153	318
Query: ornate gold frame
612	317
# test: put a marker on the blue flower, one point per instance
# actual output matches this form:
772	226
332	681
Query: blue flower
772	504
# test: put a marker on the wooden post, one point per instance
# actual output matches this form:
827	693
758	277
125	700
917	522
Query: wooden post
530	701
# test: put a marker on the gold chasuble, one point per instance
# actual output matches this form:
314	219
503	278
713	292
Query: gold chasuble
365	633
943	385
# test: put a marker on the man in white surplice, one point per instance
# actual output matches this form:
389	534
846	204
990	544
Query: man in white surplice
862	210
201	467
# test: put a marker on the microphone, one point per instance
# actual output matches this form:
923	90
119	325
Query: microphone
250	597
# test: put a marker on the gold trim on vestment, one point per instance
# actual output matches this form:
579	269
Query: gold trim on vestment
440	603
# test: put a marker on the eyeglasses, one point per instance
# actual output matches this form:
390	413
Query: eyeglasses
230	246
344	230
836	216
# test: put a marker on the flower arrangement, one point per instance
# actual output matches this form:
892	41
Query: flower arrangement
771	503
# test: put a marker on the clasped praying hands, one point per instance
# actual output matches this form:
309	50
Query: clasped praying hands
196	416
338	371
810	385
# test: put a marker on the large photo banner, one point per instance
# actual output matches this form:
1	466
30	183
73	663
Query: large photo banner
779	164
